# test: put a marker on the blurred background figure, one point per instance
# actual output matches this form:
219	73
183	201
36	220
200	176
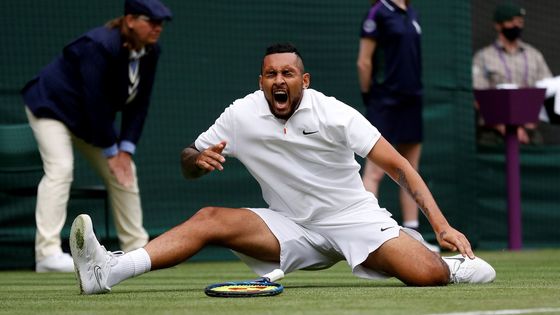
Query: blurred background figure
389	72
508	62
73	103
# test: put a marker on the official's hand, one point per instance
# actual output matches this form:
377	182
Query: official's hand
120	165
454	240
211	159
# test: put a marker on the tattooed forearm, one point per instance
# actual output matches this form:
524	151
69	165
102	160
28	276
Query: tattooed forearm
188	163
401	179
415	194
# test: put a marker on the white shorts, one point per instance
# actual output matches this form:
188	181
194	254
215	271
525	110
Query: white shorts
350	235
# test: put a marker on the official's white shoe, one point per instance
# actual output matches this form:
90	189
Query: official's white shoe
466	270
433	248
416	235
61	262
92	262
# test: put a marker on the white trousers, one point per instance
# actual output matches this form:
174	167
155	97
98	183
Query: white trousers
56	144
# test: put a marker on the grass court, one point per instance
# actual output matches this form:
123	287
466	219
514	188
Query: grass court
528	282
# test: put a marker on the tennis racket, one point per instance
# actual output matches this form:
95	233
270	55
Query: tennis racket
264	286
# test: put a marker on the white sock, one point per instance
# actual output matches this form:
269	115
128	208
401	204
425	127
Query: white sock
129	265
411	224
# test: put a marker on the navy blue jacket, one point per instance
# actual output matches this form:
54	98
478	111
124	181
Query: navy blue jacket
87	85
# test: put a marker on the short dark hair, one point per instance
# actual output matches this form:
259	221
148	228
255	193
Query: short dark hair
280	48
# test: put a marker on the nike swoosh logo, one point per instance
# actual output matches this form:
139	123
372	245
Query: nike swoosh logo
461	260
385	229
98	275
309	132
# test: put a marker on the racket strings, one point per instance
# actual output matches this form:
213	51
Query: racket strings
244	289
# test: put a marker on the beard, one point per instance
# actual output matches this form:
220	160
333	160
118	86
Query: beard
286	113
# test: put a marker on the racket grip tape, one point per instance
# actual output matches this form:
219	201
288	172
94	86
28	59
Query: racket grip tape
274	275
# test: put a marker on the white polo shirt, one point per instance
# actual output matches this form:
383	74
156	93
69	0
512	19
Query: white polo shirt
306	165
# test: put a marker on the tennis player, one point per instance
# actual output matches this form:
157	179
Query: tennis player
299	145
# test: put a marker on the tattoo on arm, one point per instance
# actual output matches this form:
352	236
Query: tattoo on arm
416	195
188	163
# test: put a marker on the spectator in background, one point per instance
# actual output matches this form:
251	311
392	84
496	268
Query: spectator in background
73	102
389	71
508	61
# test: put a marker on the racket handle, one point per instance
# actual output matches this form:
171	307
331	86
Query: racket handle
274	275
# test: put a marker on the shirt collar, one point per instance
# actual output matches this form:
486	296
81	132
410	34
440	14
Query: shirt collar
388	4
137	54
521	45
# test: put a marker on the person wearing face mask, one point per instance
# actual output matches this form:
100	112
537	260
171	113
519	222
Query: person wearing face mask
508	62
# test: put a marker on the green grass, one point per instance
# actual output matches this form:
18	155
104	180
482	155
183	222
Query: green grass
525	280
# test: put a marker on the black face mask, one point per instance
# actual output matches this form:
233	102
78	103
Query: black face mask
512	33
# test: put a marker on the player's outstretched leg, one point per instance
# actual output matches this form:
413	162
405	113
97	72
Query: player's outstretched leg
92	262
466	270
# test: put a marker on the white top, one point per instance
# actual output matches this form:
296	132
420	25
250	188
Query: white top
305	166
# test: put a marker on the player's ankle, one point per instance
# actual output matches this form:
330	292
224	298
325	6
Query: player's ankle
129	265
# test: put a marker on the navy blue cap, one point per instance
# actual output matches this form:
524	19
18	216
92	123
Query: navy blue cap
153	9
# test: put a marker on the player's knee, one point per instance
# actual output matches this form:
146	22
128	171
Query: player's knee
439	275
211	225
206	215
217	218
204	223
434	273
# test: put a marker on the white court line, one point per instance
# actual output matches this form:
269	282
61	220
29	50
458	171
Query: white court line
506	312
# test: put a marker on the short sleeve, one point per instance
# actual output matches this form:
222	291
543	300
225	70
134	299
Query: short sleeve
223	129
361	134
370	24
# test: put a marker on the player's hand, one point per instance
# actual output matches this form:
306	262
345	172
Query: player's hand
455	241
211	159
120	165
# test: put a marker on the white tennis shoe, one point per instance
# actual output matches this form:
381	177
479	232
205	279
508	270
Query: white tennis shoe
92	262
466	270
61	262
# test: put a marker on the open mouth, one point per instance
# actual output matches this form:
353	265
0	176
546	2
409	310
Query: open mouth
280	97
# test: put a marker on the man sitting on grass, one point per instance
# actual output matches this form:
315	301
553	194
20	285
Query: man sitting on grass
299	145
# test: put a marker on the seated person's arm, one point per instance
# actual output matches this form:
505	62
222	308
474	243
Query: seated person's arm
195	163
